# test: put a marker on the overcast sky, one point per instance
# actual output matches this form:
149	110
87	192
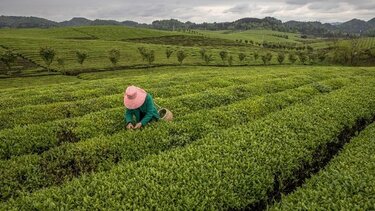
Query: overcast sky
192	10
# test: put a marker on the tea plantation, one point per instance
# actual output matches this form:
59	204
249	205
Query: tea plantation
251	137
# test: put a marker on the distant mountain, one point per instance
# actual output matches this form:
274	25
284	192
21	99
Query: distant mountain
130	23
77	22
311	28
371	22
355	26
99	22
335	23
25	22
352	27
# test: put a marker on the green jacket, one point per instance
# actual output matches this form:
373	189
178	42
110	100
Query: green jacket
143	114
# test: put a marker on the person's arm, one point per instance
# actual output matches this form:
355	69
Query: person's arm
149	109
128	116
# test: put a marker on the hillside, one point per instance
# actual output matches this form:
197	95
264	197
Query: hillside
354	26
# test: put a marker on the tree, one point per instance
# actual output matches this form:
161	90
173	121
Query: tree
280	57
223	56
312	57
202	53
8	58
81	56
241	57
168	52
292	58
181	55
143	52
114	56
208	58
267	58
321	56
302	57
256	56
47	54
150	56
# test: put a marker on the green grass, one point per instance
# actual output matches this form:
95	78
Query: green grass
254	35
98	52
85	32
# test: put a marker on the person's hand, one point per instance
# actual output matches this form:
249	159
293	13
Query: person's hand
138	126
129	126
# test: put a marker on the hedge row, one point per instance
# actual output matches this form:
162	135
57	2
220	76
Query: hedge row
236	168
36	114
39	138
32	172
84	90
123	76
347	183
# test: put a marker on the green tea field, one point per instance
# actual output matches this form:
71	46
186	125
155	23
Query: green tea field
247	137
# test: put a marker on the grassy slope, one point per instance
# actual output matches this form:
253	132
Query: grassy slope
254	35
101	32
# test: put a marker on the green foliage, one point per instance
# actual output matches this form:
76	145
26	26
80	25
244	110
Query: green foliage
223	56
147	55
181	55
81	56
168	52
241	57
68	139
55	159
302	57
222	157
267	58
202	52
292	58
345	184
48	55
280	57
114	56
256	56
208	58
8	58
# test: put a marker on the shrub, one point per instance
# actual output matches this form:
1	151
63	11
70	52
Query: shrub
208	58
280	57
223	56
8	58
267	58
292	58
256	56
114	56
81	56
47	54
181	55
241	57
168	52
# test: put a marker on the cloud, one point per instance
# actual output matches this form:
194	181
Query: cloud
191	10
239	9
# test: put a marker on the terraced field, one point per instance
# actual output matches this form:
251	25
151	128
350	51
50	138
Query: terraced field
242	137
99	40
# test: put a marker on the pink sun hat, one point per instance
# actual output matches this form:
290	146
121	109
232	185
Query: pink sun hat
134	97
